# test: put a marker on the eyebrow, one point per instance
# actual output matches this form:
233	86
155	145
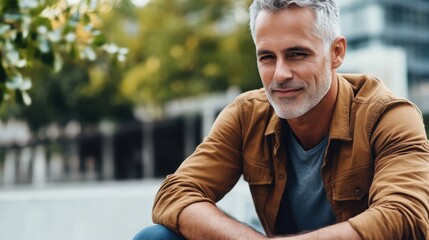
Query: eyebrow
294	49
263	52
291	49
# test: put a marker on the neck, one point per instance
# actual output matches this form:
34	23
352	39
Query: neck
312	127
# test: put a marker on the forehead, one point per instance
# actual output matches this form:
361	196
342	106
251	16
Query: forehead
294	24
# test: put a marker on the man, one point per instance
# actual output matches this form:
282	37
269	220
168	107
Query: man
326	156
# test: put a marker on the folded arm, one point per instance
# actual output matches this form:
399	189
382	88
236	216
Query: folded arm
204	220
338	231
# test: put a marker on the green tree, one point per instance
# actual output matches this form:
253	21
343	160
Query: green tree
177	49
54	52
185	48
47	31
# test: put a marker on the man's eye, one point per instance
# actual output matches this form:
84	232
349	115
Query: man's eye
265	58
297	55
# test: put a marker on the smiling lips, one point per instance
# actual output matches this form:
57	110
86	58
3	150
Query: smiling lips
286	92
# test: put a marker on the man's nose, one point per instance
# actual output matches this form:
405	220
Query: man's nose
283	71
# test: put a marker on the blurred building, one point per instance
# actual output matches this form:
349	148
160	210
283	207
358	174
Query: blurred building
384	28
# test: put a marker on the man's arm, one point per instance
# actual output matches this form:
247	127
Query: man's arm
208	174
204	220
338	231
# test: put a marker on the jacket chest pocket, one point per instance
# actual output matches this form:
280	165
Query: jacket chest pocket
350	191
257	173
260	180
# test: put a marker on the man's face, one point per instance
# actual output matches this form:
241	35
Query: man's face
294	67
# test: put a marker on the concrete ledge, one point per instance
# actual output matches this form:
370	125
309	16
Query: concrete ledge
113	210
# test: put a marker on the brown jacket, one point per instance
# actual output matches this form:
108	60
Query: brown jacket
375	171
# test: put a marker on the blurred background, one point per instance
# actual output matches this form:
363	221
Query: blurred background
101	99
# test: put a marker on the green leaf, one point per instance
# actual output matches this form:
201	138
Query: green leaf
86	19
37	10
99	40
40	22
67	10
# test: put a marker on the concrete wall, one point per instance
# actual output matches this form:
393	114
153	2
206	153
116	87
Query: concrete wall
108	211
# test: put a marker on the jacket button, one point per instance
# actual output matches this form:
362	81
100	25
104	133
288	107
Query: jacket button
281	176
358	192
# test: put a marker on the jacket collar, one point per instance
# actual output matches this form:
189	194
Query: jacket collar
340	125
274	125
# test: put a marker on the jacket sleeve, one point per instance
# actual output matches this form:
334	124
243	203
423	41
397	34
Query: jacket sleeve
208	174
399	194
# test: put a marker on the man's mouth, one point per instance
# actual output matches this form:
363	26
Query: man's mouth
286	92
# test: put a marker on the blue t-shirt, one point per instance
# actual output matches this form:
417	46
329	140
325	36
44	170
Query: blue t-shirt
305	205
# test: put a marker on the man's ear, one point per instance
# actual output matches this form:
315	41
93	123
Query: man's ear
338	51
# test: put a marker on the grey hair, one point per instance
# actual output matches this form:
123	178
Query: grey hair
326	27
